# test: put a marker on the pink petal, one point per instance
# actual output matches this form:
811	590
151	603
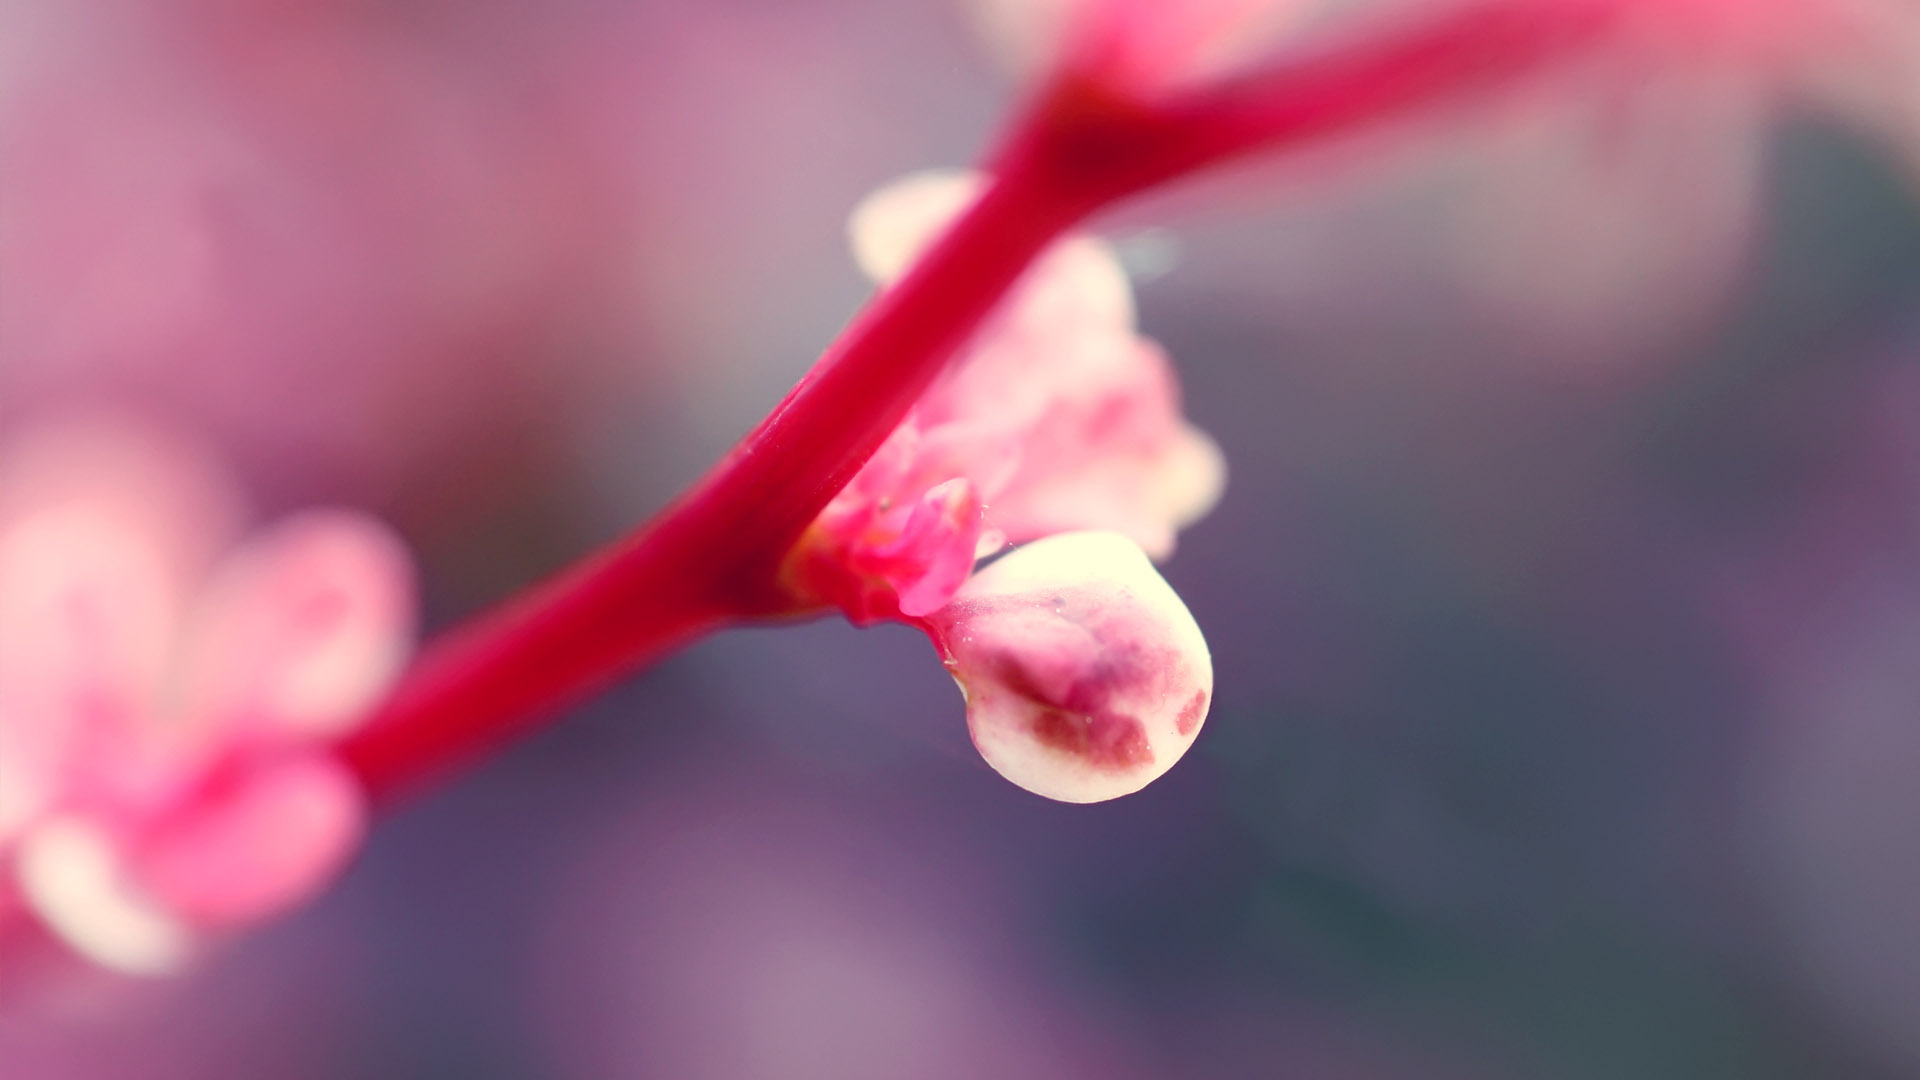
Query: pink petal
1060	415
1078	280
1113	453
258	846
73	876
1085	675
103	527
303	627
874	560
895	225
87	613
935	551
28	771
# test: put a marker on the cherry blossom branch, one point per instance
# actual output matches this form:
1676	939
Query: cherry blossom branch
713	557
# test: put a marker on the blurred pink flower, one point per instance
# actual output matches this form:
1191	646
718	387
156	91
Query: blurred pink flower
165	702
1057	418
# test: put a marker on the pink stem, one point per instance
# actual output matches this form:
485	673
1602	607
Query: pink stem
714	556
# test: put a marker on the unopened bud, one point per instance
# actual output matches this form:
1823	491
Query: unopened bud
1085	675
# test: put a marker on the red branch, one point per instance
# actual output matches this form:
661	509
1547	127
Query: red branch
712	557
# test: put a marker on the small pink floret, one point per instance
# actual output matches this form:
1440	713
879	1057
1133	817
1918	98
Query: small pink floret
1058	416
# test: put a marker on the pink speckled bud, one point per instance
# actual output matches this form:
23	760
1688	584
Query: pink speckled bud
1085	675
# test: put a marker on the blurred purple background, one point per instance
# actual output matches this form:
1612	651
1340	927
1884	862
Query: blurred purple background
1566	616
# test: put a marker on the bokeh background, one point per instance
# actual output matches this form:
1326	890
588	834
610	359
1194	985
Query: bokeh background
1565	599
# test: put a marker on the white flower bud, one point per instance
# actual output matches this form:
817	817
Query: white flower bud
1085	675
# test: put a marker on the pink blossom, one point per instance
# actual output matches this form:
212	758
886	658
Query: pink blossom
1057	417
1085	675
166	697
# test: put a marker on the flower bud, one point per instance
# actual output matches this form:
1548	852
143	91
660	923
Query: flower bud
1084	673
